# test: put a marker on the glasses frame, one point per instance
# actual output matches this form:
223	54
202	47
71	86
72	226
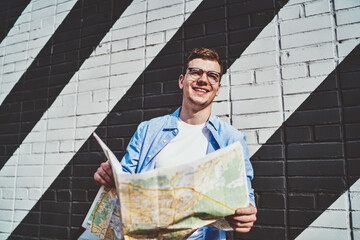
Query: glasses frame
211	81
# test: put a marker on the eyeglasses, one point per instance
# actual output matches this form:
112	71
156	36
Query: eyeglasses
212	76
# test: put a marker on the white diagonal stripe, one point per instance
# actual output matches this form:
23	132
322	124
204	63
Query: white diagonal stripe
27	37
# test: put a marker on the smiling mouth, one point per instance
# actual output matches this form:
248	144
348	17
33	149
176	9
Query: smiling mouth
200	90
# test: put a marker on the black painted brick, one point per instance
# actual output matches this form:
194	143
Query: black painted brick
302	218
351	114
208	15
244	7
314	117
83	182
353	149
298	134
122	130
328	133
352	131
29	230
316	168
212	41
239	22
268	152
324	200
321	100
152	89
316	184
116	144
271	217
351	97
88	158
78	207
215	27
79	195
301	201
85	170
152	113
62	183
261	18
272	200
55	207
56	232
32	217
268	168
354	167
262	232
330	83
125	117
268	183
163	100
314	151
163	75
347	80
50	194
63	195
194	31
55	219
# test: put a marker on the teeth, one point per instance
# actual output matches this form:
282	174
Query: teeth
199	89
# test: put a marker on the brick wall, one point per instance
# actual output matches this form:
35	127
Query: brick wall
69	68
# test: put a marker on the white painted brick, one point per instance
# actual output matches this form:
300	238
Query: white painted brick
35	194
129	55
165	12
38	33
52	170
40	126
84	97
296	2
21	66
55	112
355	201
14	48
8	171
265	134
266	75
225	119
71	87
356	234
301	85
33	159
35	24
115	94
324	233
119	45
292	102
251	136
356	219
23	37
346	46
333	219
94	84
317	7
305	24
261	45
191	5
103	48
223	95
8	193
239	78
129	32
154	4
5	227
59	134
25	16
297	55
136	42
164	24
92	73
221	108
348	16
6	204
339	4
25	148
29	170
42	4
30	182
9	68
89	120
268	31
100	96
42	13
68	100
306	38
59	18
15	57
38	147
130	20
24	204
321	68
255	91
135	7
67	146
65	6
94	107
21	193
8	181
152	51
348	31
60	159
256	121
5	215
1	195
128	67
259	105
48	22
19	215
342	203
255	61
96	62
290	12
294	71
169	34
52	147
155	38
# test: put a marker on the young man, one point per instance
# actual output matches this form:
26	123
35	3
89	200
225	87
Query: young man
189	133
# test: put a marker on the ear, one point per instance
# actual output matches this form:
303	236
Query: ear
181	81
218	90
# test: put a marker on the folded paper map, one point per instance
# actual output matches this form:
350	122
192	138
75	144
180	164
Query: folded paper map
171	202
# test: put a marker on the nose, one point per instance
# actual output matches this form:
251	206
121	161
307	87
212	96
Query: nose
203	79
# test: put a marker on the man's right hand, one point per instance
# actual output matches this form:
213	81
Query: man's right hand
104	175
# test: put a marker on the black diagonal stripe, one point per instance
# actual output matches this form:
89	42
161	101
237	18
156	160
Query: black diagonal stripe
10	11
227	27
72	43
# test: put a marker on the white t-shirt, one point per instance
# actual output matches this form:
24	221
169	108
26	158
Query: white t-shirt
190	144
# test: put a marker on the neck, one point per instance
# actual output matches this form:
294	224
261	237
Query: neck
193	116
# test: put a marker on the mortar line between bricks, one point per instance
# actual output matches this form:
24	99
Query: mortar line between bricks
284	151
336	59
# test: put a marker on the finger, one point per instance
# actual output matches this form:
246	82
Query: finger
242	218
243	229
106	166
100	181
246	211
103	177
240	224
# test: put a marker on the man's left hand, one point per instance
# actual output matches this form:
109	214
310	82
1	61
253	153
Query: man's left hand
243	219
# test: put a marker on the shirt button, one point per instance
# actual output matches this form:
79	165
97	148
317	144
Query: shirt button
149	156
164	140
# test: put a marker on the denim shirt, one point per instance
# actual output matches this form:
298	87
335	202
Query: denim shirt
151	136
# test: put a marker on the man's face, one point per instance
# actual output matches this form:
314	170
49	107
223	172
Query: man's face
199	93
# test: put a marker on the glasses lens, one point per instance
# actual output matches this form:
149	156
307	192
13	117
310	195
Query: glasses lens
212	76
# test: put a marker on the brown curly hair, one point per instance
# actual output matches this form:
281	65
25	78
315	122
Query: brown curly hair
203	53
